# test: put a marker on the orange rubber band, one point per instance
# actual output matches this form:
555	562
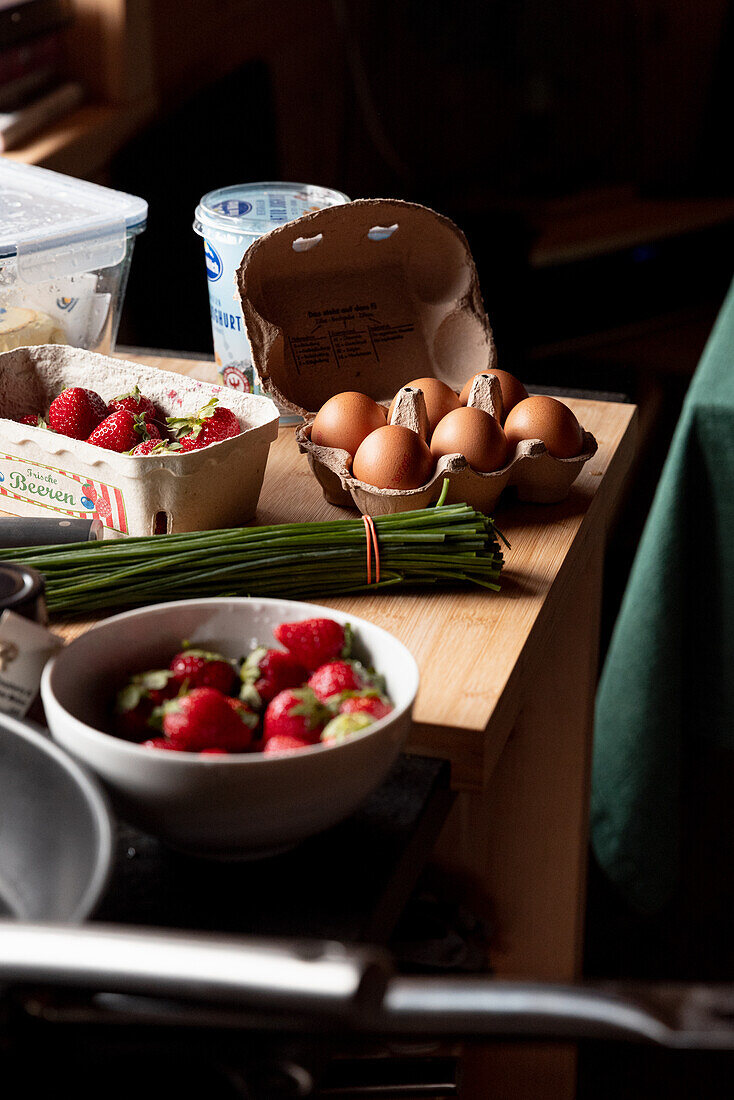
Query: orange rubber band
371	534
365	521
377	550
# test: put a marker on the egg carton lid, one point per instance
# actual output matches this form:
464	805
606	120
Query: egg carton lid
55	225
365	296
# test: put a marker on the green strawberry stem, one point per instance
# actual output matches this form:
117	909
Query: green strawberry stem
134	393
191	425
450	545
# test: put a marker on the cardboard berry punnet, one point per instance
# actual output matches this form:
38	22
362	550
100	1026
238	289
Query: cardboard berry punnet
42	471
367	296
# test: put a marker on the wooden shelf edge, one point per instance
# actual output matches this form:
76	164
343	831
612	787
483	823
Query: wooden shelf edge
81	143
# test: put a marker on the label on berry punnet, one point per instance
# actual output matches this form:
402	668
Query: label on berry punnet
25	646
62	491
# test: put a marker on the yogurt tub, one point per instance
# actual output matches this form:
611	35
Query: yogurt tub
229	220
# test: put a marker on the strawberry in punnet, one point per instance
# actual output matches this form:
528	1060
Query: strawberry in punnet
267	672
151	447
366	702
187	443
295	712
336	677
205	719
211	424
35	420
136	402
198	668
343	725
314	642
121	431
76	412
283	743
222	424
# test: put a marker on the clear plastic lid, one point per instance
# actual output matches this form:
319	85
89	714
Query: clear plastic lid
56	225
256	208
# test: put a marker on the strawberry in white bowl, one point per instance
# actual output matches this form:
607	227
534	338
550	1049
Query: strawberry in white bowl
269	786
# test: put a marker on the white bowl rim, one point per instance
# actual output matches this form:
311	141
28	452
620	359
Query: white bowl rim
253	759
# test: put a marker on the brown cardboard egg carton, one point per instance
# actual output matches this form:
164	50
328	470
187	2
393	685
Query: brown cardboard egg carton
365	297
538	477
42	471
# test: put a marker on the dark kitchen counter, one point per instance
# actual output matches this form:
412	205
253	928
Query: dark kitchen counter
349	883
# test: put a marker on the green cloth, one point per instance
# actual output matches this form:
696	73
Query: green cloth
668	680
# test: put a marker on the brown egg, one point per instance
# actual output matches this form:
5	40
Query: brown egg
440	399
393	457
547	419
345	420
512	390
474	434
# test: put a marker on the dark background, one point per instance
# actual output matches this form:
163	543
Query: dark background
585	149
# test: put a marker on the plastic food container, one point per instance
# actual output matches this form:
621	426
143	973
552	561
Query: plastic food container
65	252
229	220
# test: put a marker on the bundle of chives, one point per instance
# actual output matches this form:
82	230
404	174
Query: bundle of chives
450	544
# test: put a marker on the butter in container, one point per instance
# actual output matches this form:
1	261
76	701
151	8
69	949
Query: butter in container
65	251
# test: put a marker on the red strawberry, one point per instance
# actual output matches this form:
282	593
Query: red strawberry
34	419
144	448
159	743
313	642
76	412
151	446
340	727
211	424
136	402
89	491
213	752
267	672
337	676
137	700
121	431
187	443
133	724
204	719
197	668
376	706
281	742
222	424
158	685
295	712
246	713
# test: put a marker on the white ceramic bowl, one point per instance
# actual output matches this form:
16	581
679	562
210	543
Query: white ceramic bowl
243	804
